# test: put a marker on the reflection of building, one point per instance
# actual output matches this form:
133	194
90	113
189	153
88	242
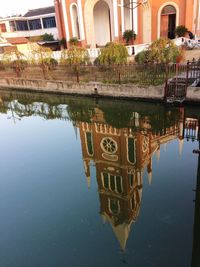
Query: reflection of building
120	156
96	22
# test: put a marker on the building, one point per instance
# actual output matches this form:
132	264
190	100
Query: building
96	22
35	22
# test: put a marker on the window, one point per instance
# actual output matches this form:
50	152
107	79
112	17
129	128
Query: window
49	22
89	143
3	27
21	25
75	21
168	10
12	26
112	182
131	150
114	206
109	145
131	179
35	24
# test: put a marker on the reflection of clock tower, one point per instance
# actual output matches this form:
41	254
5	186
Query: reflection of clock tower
119	156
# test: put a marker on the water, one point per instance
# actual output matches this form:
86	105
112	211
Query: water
97	183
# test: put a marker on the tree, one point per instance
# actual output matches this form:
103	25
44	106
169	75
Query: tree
16	60
113	53
43	56
75	56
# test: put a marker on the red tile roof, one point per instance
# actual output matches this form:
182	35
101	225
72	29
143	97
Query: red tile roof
17	40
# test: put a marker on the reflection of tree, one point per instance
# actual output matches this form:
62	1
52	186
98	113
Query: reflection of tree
117	114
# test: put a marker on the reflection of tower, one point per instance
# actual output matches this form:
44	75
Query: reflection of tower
120	156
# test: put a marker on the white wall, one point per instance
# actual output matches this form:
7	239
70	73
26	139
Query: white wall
53	31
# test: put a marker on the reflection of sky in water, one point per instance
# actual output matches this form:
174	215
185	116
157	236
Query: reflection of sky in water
49	217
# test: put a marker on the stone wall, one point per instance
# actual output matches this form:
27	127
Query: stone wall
89	89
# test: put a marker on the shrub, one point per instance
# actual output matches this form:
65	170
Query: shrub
142	57
73	41
163	50
19	64
75	56
50	63
113	53
96	61
15	60
47	37
62	42
43	57
181	30
129	35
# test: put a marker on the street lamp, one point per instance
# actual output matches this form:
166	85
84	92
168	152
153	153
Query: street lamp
137	4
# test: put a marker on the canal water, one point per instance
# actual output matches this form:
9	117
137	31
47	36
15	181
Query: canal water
95	183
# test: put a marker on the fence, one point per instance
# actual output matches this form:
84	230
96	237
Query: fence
142	75
185	74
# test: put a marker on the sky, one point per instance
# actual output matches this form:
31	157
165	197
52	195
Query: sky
12	7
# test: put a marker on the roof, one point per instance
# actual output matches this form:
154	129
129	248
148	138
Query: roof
40	11
17	40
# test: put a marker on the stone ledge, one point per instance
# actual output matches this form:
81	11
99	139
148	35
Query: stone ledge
90	89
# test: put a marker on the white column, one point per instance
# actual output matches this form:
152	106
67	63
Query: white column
135	17
41	23
115	14
195	16
80	16
65	20
131	15
122	15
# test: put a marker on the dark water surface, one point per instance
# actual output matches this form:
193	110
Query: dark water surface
97	183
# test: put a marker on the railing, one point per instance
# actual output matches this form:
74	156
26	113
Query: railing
185	74
191	129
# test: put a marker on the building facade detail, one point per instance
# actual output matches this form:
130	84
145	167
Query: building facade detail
97	22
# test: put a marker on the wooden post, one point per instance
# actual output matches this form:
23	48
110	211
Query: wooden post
119	75
187	76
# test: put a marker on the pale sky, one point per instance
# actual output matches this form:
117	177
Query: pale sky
12	7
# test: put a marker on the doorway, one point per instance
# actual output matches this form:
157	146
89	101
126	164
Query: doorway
168	22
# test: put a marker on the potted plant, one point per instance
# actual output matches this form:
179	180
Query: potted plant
73	41
129	36
181	31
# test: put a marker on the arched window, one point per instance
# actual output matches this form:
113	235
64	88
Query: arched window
74	20
89	143
114	206
112	182
168	10
168	22
131	150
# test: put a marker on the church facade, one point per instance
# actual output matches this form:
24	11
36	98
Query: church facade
97	22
